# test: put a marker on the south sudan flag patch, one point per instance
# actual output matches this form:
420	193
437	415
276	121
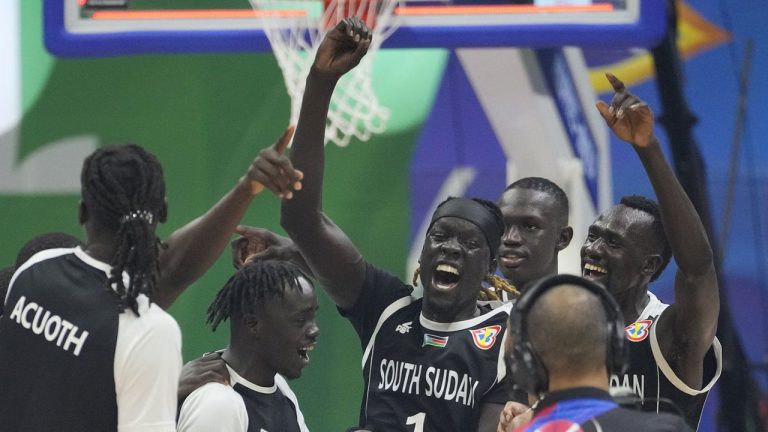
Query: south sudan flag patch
434	340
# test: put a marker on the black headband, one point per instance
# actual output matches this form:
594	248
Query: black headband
475	213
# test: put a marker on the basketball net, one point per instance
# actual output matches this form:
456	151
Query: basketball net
355	110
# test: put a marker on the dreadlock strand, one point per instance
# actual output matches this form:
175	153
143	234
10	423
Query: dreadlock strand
501	284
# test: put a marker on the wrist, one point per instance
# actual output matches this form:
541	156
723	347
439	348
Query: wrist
315	76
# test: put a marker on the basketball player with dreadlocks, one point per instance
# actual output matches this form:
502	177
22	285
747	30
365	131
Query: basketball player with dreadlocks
271	306
428	364
82	346
674	354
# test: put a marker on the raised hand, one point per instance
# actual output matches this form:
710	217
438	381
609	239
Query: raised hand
260	243
273	170
628	116
342	49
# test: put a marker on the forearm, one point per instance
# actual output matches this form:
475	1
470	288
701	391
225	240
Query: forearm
682	224
195	247
308	152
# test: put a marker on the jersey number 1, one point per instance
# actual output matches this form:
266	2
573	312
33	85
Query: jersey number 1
417	420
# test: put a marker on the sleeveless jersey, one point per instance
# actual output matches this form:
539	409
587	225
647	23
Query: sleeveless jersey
242	407
66	355
650	377
422	375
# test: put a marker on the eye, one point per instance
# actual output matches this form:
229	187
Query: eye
437	236
471	244
591	237
614	243
531	227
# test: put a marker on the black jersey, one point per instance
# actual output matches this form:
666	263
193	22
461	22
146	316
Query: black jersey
69	358
590	409
422	375
650	377
242	407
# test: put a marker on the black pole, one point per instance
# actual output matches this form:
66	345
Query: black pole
738	391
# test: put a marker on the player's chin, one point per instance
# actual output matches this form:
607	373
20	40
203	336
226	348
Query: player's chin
293	371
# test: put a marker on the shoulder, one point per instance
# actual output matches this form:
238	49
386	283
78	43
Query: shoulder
213	406
651	422
152	321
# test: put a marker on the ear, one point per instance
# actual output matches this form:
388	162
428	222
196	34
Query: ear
652	264
492	264
162	217
566	235
251	323
82	213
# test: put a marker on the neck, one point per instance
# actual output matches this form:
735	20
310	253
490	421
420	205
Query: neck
99	246
246	363
446	315
632	302
597	379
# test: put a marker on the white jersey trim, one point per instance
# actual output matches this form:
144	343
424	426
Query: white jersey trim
34	259
462	325
282	384
388	312
235	378
662	362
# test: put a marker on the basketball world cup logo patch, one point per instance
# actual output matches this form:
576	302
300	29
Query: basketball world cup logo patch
485	337
638	330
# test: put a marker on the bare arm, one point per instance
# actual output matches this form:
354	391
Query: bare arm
688	328
192	249
330	254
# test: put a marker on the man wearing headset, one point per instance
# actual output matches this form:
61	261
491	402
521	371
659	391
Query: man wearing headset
554	352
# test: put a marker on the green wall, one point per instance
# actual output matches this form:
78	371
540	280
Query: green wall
206	117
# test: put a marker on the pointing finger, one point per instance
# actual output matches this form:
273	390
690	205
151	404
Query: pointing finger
285	139
617	84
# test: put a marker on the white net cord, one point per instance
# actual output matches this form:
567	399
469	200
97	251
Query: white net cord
355	110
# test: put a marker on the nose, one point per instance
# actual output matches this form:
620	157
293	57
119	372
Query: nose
512	236
450	247
313	332
594	248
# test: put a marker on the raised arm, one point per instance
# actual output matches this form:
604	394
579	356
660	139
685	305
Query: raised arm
692	320
192	249
331	256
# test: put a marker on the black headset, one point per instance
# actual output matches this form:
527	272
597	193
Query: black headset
525	366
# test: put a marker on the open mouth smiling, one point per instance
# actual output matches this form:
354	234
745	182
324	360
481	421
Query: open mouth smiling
446	276
304	352
593	271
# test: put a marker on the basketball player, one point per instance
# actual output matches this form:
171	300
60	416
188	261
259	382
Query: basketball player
271	306
82	347
674	354
535	214
429	364
553	351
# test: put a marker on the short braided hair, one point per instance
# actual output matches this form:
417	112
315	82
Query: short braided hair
251	286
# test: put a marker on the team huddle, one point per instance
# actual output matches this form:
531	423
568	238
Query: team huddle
86	344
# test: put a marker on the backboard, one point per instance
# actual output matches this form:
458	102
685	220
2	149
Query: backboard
74	30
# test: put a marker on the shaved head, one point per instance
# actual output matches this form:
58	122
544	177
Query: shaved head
568	330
